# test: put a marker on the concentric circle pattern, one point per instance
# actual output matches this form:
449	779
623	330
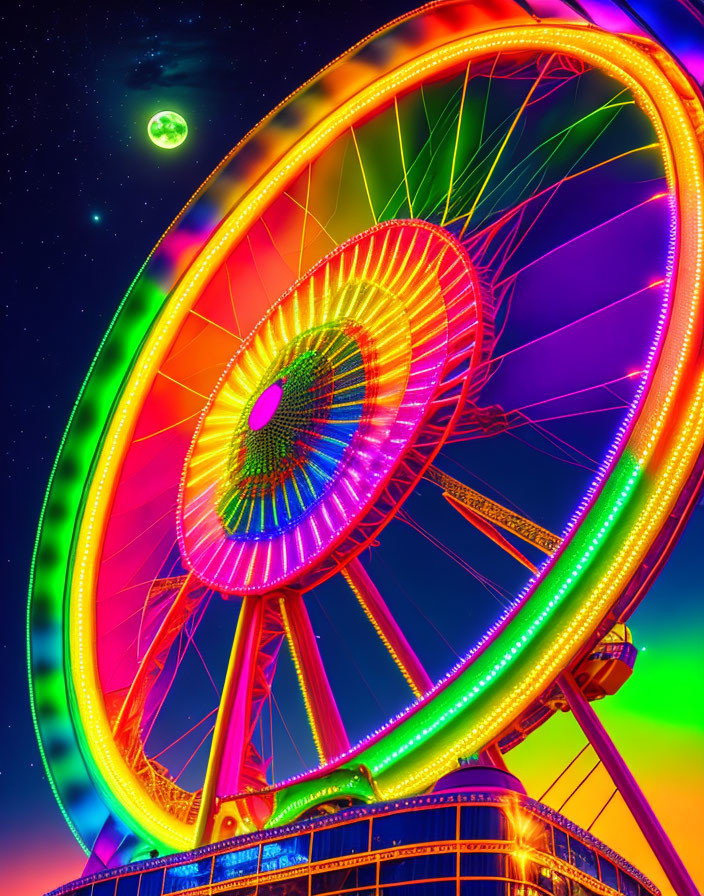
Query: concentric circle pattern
303	448
280	467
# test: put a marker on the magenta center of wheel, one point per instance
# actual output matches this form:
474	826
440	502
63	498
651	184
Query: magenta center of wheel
265	406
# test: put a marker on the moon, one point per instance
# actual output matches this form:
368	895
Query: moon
167	130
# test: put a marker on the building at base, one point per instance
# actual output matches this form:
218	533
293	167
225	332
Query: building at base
476	834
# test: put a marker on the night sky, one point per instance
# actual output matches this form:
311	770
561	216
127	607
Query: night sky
85	198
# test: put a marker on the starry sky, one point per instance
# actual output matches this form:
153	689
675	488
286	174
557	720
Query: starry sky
85	198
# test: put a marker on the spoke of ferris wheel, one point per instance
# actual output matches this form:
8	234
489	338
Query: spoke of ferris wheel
326	724
159	586
483	508
153	660
486	528
247	681
386	627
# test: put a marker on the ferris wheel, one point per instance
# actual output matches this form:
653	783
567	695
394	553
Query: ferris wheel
398	419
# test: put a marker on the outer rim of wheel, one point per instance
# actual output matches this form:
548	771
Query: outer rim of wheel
659	466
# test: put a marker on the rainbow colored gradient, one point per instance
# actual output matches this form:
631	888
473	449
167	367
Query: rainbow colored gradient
112	463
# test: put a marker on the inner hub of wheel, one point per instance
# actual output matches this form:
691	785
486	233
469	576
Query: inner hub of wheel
312	438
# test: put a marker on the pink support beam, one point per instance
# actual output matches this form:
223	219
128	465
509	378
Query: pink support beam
632	795
387	628
328	731
247	682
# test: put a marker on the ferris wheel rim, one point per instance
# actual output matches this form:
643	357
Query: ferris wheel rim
517	608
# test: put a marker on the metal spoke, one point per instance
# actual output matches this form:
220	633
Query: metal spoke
387	628
324	717
486	528
464	499
126	728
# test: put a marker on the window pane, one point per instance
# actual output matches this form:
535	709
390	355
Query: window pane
234	864
418	868
185	877
345	840
553	882
419	826
628	885
128	886
483	823
482	864
104	887
343	879
562	850
439	888
483	888
583	857
151	883
608	873
284	853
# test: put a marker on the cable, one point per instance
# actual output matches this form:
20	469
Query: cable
600	812
562	773
584	779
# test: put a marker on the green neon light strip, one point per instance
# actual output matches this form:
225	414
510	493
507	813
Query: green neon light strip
47	663
463	704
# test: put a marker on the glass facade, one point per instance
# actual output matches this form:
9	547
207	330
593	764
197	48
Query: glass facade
483	823
583	857
285	853
341	841
241	863
485	845
128	885
186	877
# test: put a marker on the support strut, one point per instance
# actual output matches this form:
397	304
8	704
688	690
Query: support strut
632	795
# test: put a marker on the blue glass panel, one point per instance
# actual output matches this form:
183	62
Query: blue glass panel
343	879
418	826
82	891
609	875
345	840
128	886
284	853
438	888
583	857
562	849
482	864
104	887
151	883
483	888
418	868
483	823
185	877
229	865
628	885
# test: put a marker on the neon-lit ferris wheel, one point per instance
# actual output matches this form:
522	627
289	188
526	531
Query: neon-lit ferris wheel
399	418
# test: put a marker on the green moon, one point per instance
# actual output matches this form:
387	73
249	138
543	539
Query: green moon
167	130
